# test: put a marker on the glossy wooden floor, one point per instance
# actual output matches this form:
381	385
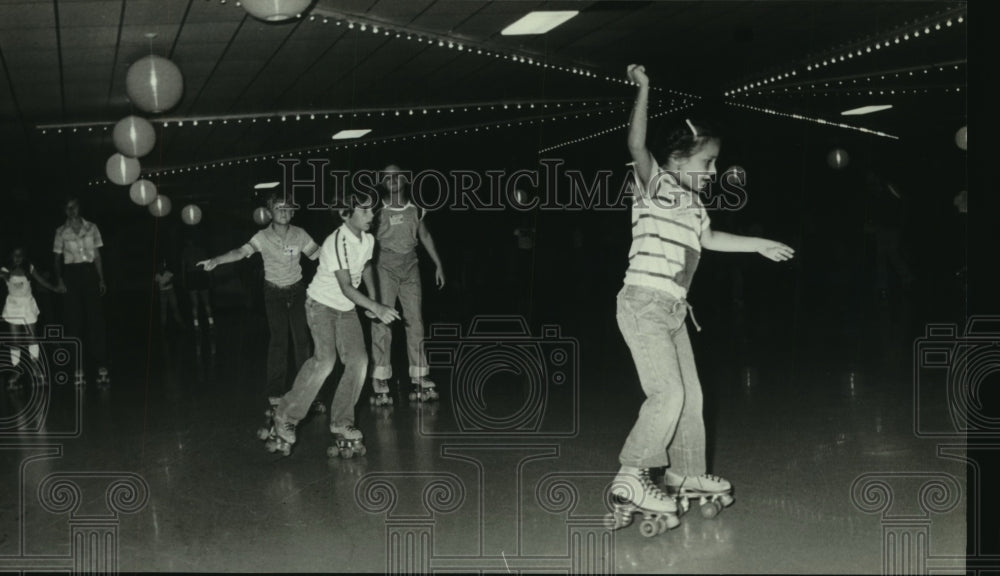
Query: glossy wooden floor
164	472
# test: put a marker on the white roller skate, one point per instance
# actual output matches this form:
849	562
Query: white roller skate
347	441
712	492
634	491
381	397
424	390
281	437
103	378
272	407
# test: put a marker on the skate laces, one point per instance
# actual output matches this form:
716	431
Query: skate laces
652	490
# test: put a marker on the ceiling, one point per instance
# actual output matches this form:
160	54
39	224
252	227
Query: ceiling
263	89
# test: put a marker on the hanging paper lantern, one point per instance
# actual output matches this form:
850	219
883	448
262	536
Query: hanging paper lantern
276	10
261	216
838	158
191	214
142	192
960	138
134	136
121	169
160	207
154	84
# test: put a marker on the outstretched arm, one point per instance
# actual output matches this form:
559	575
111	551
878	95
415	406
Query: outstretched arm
725	242
244	251
425	238
641	158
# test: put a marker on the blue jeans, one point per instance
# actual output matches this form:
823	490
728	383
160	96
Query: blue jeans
334	333
670	429
399	277
285	307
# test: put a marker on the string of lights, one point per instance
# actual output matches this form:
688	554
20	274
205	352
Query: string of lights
814	120
883	91
610	130
895	74
324	15
923	27
299	115
413	136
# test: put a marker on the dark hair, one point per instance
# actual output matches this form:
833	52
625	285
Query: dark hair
346	204
677	138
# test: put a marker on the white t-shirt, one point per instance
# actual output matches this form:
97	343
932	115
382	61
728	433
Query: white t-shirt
341	250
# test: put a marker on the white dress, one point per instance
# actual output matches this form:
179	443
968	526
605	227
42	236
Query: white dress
20	307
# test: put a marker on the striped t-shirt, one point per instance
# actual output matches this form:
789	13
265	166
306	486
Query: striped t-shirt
341	250
667	225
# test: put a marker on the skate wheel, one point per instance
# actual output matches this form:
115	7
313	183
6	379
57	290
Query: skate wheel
648	528
413	396
362	451
270	447
662	524
286	450
726	500
332	452
346	453
263	433
371	400
711	509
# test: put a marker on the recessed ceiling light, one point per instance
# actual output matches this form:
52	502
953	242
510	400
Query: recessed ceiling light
866	110
266	185
538	22
346	134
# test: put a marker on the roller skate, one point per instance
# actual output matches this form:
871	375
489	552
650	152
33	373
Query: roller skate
347	441
633	491
281	436
424	390
103	379
381	397
712	492
272	407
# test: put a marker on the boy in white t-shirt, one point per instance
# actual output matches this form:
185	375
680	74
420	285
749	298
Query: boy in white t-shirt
344	261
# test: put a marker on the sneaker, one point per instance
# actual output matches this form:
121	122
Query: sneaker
636	486
703	484
349	432
284	428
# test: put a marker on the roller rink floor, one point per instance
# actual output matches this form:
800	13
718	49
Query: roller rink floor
506	472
